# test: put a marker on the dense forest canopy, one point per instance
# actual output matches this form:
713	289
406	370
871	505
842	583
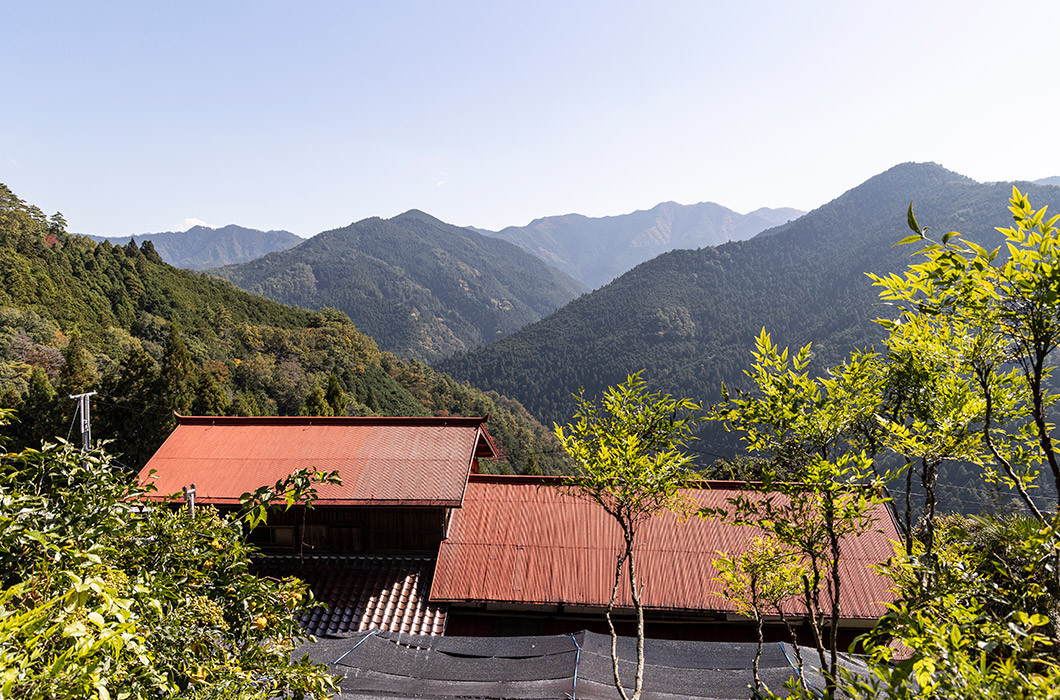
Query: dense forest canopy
689	316
420	287
76	315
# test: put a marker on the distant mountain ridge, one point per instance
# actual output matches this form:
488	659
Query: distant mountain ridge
690	317
240	354
421	287
202	247
596	250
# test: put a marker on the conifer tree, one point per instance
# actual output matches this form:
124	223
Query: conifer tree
125	417
177	378
78	373
176	386
316	404
335	396
210	398
39	416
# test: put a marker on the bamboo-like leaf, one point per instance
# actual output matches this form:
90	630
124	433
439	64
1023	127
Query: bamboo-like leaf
911	220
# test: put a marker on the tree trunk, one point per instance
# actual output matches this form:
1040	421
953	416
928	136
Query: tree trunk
639	682
834	586
795	644
611	624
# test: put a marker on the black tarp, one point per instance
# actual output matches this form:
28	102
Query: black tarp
392	665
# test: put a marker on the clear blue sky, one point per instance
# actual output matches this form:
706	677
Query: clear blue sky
134	117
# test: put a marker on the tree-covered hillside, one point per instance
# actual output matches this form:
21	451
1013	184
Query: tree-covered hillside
422	288
78	316
690	318
596	250
201	247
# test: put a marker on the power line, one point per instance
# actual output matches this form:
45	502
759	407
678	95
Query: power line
69	432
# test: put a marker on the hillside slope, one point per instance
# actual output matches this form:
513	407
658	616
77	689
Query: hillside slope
422	288
151	339
690	317
202	247
596	250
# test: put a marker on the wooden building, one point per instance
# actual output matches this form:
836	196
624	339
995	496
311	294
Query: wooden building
367	547
524	556
415	540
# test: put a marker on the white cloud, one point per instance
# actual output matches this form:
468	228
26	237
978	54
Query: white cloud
188	223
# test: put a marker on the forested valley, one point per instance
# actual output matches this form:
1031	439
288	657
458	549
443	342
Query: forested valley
689	318
77	316
420	287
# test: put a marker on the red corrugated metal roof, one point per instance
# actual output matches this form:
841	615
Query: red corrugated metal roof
382	461
364	592
522	541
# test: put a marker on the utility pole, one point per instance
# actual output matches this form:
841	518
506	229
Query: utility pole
86	419
189	496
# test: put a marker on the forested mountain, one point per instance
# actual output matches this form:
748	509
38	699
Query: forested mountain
1053	180
690	318
76	316
422	288
201	247
596	250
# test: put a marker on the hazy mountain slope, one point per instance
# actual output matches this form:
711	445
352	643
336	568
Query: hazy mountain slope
245	355
1053	180
776	217
596	250
690	317
202	247
422	288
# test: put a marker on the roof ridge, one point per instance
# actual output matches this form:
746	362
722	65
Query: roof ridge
469	421
549	480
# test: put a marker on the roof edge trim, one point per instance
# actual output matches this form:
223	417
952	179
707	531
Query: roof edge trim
707	484
441	421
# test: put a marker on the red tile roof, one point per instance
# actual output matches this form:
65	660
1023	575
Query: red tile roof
382	461
364	592
519	540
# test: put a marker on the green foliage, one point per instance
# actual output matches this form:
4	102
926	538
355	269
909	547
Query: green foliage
967	377
1004	309
105	594
335	396
629	452
316	404
826	427
77	373
986	628
628	449
760	581
159	340
297	488
804	281
422	288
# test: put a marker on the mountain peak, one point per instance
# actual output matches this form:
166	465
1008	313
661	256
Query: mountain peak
927	172
595	250
421	287
416	215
